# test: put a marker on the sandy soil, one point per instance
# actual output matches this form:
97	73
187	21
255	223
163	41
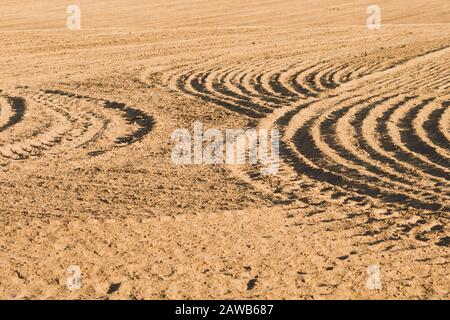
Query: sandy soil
86	176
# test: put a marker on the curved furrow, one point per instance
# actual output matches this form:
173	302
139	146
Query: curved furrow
372	138
300	83
277	85
30	122
86	132
320	173
349	75
131	124
170	77
6	113
386	145
322	78
245	82
59	122
444	122
351	136
35	143
140	122
327	134
215	84
229	83
308	158
414	143
12	110
229	79
392	141
88	125
343	76
426	126
241	80
244	78
328	79
312	81
340	125
262	87
281	81
268	81
194	84
290	81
